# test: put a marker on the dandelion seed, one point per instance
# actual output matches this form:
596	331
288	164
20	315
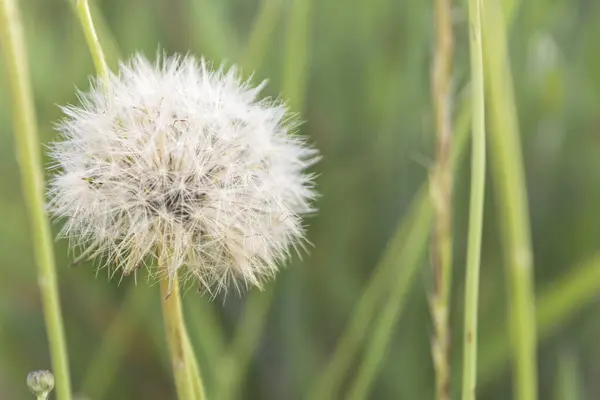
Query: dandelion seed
181	164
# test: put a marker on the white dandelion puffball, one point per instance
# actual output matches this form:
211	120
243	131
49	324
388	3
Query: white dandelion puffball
181	166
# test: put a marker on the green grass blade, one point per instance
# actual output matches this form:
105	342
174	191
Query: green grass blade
386	271
513	213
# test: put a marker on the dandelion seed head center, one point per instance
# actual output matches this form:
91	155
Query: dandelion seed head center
179	155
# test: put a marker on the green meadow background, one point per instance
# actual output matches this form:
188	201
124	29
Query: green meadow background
358	73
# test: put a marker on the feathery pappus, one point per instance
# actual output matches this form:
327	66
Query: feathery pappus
179	165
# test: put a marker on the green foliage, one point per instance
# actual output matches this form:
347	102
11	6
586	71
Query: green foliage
359	75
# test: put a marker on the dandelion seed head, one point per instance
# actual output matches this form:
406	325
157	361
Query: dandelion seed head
181	165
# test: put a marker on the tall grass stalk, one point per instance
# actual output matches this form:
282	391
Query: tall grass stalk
556	305
441	197
476	203
32	181
387	270
513	213
261	33
407	263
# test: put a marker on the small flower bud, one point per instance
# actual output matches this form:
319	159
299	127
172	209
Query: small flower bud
40	382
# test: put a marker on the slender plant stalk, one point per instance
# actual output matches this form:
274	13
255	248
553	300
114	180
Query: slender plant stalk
476	203
509	177
85	17
262	31
557	304
441	198
177	338
408	260
28	149
386	271
108	40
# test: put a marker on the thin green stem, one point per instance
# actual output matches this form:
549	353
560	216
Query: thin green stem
476	204
111	50
513	213
557	304
27	143
262	31
177	338
386	271
441	198
85	17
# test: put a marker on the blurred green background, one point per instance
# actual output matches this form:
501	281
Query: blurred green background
358	72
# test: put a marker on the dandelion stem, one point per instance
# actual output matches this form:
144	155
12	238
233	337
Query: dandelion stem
476	204
441	198
27	142
85	17
178	340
